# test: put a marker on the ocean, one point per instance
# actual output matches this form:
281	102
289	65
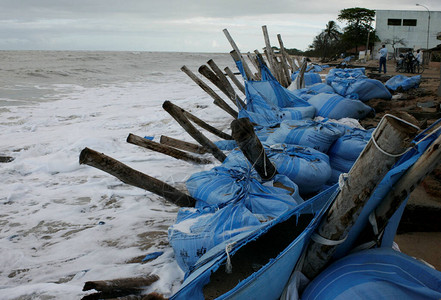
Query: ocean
63	223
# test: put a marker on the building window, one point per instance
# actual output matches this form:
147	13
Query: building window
409	22
394	22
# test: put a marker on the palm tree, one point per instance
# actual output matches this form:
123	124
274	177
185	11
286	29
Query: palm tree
331	34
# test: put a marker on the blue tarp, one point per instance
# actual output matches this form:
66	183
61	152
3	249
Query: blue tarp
403	82
335	106
376	274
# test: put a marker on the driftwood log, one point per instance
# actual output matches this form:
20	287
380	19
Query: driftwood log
134	177
6	159
178	144
124	288
176	112
145	143
393	137
217	99
248	142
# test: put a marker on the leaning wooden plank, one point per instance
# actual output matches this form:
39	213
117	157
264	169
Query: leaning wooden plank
233	95
217	99
270	53
255	63
246	139
206	126
142	142
134	177
428	161
285	59
181	118
210	75
391	138
240	57
234	79
178	144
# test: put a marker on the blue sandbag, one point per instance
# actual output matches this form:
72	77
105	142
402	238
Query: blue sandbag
355	73
336	107
226	144
403	82
308	92
366	89
376	274
307	133
307	167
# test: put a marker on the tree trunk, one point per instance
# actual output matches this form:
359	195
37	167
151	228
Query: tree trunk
393	137
134	177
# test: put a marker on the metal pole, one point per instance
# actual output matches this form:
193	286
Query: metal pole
428	24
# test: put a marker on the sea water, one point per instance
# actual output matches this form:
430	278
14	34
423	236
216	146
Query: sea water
63	223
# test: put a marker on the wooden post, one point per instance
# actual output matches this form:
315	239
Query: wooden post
255	64
240	57
393	137
139	141
230	90
210	75
126	284
134	177
427	162
270	53
300	77
206	126
246	139
217	99
285	58
236	81
166	140
179	116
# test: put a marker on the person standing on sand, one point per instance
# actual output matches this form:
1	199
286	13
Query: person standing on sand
383	56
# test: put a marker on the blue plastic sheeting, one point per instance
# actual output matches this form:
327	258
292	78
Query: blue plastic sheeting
376	274
403	82
226	145
263	132
269	281
366	89
307	133
345	151
306	167
309	78
335	106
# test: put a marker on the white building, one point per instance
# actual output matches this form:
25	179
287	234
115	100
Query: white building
409	25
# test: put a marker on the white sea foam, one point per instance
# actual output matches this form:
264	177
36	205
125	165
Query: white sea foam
62	223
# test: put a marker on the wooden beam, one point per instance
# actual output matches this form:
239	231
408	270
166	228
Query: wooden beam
134	177
178	144
285	59
142	142
234	79
248	142
392	137
217	99
176	112
239	55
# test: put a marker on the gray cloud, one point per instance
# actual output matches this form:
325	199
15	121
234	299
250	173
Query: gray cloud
175	25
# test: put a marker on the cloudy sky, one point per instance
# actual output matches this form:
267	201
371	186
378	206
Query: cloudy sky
172	25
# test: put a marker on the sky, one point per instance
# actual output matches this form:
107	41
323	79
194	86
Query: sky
172	25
